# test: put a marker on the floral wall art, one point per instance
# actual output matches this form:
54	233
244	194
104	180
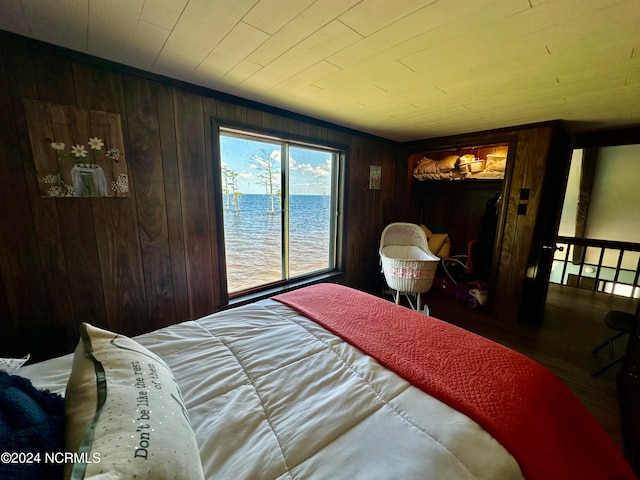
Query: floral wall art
77	152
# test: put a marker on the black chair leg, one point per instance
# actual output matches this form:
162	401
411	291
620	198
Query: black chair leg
608	365
622	323
608	341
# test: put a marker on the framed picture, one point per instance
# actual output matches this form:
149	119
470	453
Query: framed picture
77	152
374	177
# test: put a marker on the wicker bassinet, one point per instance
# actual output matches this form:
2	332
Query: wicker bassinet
407	263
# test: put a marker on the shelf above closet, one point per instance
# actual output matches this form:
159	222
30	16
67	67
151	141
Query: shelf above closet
481	163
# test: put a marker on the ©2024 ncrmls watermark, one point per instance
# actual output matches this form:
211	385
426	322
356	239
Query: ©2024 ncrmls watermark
48	457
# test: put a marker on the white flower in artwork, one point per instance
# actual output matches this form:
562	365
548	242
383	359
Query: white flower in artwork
79	151
96	143
121	184
58	187
113	154
58	146
55	191
50	178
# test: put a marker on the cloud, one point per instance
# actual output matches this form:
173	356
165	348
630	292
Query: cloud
305	168
275	155
317	171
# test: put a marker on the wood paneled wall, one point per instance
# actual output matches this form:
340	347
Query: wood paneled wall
140	263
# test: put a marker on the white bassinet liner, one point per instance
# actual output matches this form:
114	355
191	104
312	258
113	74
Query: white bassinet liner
408	252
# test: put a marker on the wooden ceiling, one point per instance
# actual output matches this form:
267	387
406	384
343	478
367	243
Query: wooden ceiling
399	69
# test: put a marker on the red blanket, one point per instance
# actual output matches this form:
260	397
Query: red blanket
522	404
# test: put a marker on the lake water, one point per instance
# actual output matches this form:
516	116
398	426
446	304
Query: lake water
253	239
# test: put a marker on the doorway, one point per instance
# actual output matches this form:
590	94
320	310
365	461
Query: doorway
599	230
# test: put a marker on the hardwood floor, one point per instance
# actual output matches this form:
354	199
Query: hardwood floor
571	327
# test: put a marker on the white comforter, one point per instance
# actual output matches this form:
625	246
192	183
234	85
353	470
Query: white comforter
272	395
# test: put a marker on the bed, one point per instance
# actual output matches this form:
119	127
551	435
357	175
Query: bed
324	382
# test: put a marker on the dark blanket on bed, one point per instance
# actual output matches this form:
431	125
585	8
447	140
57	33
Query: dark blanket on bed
31	422
522	404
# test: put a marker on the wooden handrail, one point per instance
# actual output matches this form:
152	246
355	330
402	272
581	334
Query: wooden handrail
592	242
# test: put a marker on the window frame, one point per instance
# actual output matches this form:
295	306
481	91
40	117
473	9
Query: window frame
338	182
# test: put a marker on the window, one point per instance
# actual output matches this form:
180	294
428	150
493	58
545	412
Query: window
279	217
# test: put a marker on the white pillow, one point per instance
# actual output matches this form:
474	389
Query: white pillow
125	416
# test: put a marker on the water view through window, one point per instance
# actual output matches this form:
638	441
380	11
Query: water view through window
279	217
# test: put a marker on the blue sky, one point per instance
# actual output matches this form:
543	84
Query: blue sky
310	170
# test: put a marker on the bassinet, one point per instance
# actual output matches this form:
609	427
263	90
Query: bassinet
407	263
